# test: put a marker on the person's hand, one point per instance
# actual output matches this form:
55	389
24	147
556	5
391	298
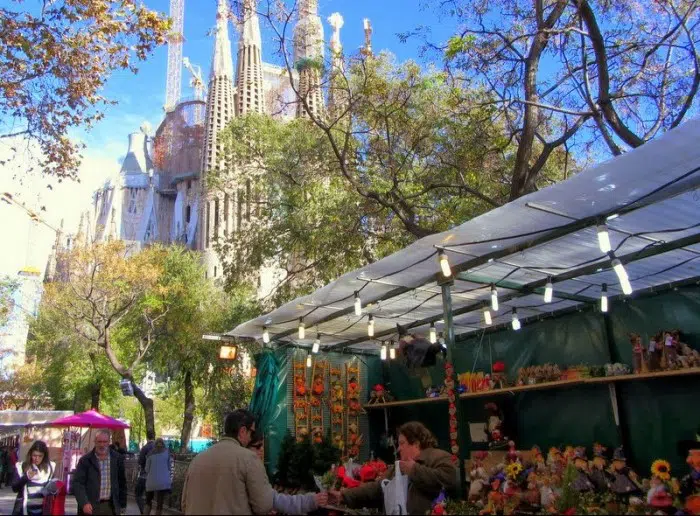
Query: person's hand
87	508
406	466
31	474
334	497
322	499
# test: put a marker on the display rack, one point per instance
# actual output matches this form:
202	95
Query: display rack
544	386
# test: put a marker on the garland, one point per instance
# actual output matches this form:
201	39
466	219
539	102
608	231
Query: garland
318	388
354	409
300	401
450	388
337	406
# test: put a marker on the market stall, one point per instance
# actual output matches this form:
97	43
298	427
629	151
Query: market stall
567	317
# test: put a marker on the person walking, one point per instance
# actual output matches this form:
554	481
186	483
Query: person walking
140	490
4	464
30	478
228	478
99	483
159	478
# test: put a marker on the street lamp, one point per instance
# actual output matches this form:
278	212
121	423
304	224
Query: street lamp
228	350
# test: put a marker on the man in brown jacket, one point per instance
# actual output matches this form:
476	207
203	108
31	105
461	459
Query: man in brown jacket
228	478
429	471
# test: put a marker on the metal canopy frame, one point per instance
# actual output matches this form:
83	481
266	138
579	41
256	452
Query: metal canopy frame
649	198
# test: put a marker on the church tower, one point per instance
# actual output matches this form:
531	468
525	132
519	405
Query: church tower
308	58
250	94
337	92
220	110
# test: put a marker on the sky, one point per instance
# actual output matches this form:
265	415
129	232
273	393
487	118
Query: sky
140	99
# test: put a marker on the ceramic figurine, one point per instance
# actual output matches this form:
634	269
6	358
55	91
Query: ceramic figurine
478	477
624	479
554	460
599	474
638	362
658	496
582	482
538	460
494	425
513	455
655	353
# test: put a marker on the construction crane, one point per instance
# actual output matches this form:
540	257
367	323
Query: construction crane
175	40
196	82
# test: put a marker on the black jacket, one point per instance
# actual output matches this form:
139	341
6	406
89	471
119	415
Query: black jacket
86	481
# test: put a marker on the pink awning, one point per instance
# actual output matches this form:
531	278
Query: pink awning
90	419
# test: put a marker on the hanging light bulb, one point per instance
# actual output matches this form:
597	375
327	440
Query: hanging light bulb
622	276
548	291
370	326
308	361
487	317
494	298
317	344
604	298
516	321
392	350
604	238
382	352
266	335
433	333
358	304
445	265
302	329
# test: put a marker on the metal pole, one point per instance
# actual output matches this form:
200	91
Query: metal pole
449	335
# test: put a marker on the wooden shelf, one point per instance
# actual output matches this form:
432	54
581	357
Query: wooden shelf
545	385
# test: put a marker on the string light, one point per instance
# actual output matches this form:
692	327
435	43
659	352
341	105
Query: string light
266	335
548	291
317	344
382	353
494	298
604	299
358	304
516	321
302	329
621	275
445	265
604	238
433	333
487	317
308	360
370	326
392	350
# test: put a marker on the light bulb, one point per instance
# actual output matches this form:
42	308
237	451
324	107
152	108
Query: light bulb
266	336
487	317
392	352
445	265
622	276
358	305
308	361
382	353
604	299
302	330
548	291
317	345
370	326
433	333
516	321
604	238
494	298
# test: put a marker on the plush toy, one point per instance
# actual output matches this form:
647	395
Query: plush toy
478	476
494	426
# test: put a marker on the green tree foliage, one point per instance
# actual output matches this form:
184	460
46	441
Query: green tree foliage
7	287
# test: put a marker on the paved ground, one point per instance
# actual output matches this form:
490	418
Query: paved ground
7	502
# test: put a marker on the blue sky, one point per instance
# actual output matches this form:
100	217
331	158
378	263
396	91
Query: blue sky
140	98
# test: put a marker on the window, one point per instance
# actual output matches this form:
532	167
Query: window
189	186
188	213
248	200
215	271
206	240
132	201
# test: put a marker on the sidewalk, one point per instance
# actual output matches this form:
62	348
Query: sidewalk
7	502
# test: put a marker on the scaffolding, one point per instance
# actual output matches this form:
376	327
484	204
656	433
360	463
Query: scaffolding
179	141
175	40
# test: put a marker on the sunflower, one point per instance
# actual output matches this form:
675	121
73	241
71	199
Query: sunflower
661	469
513	470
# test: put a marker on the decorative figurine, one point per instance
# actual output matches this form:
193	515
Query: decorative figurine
554	460
655	353
624	479
379	394
582	482
538	460
478	477
599	476
494	426
638	362
658	496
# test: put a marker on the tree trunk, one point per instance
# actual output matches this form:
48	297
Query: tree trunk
95	391
189	413
148	412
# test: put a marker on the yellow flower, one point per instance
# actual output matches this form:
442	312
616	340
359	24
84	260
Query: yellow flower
662	469
513	470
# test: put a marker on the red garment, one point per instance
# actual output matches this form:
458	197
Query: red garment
55	504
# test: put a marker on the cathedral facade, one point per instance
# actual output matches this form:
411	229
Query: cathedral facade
161	193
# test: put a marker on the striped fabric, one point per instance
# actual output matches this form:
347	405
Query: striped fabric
33	495
105	478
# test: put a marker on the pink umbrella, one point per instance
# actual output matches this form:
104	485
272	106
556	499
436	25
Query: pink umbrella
90	419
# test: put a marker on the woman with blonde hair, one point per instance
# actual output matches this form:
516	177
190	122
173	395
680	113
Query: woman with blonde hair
30	479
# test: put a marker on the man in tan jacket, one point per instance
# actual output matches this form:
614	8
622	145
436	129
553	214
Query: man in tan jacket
228	478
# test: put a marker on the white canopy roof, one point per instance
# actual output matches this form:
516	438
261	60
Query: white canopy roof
649	198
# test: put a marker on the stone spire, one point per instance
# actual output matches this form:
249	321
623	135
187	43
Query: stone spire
220	110
250	94
337	92
112	234
367	48
80	235
56	250
308	58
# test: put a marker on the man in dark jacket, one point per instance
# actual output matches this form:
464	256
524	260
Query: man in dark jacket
99	483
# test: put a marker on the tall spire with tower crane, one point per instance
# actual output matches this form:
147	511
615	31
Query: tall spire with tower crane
249	73
337	92
175	40
308	58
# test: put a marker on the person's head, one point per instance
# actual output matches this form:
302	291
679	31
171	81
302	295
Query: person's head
38	455
159	446
413	438
102	440
257	443
240	425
